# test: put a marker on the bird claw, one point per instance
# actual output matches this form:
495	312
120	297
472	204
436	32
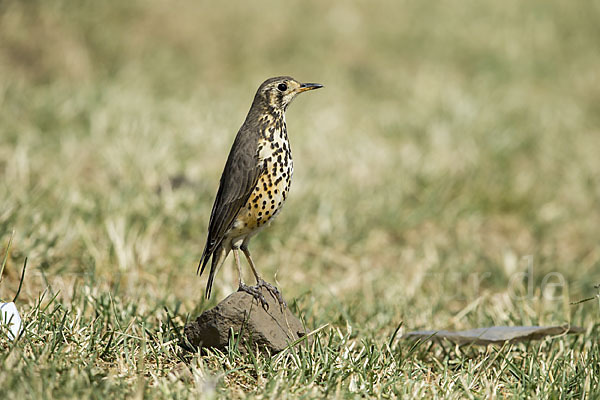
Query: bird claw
273	290
255	292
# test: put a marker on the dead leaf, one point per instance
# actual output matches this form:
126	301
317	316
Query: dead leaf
495	334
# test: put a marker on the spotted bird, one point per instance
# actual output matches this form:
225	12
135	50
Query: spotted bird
254	183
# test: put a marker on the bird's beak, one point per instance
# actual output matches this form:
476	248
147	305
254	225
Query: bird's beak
309	86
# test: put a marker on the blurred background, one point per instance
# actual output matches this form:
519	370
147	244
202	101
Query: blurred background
448	173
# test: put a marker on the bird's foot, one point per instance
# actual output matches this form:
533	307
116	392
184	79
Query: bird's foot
255	292
273	290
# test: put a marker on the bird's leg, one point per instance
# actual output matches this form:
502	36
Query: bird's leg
255	292
260	283
236	256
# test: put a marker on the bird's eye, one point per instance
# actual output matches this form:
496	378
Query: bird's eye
282	87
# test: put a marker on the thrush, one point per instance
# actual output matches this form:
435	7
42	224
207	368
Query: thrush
254	184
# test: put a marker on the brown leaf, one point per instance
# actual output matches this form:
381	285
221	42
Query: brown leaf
495	334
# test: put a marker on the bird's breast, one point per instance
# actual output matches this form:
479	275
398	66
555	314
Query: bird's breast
273	185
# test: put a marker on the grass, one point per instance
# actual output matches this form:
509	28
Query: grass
447	177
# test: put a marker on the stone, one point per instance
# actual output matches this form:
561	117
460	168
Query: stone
271	328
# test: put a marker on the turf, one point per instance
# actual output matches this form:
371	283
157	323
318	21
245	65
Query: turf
447	177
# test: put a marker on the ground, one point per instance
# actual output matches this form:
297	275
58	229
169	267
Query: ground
446	177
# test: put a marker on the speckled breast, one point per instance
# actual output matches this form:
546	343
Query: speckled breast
270	193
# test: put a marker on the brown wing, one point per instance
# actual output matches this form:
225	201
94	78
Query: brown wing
239	179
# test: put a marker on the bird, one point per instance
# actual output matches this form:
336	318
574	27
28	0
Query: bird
254	184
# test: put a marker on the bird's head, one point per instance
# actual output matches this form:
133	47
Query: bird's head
277	93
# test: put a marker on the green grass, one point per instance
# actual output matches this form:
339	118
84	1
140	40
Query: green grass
454	141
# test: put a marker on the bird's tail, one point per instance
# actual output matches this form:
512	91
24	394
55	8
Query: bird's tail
206	255
203	260
218	257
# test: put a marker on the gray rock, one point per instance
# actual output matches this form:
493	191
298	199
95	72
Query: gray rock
271	329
